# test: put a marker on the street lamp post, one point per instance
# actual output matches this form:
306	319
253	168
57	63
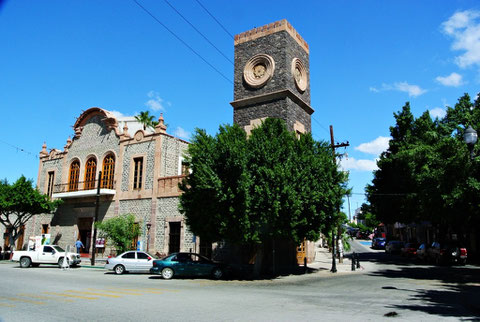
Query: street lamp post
149	225
470	137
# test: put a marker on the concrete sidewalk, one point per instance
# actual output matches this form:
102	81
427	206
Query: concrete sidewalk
323	262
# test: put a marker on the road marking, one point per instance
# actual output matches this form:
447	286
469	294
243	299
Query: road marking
138	290
73	296
120	291
42	297
162	289
92	293
22	300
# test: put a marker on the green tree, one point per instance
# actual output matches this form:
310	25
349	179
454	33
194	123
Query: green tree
270	185
426	173
19	202
146	119
120	230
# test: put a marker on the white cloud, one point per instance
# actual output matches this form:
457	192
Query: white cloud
181	133
412	90
155	102
360	165
437	112
117	114
453	79
464	28
374	147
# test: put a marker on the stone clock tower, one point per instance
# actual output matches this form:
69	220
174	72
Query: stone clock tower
272	78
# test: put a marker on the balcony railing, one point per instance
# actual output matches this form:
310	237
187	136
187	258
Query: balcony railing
83	189
82	186
168	186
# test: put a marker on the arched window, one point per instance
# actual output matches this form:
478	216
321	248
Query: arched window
108	171
74	175
90	170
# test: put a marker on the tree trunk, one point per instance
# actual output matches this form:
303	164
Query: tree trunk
257	268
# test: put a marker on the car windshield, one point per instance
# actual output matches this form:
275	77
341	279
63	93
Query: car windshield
58	249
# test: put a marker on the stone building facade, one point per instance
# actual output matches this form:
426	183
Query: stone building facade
272	77
140	172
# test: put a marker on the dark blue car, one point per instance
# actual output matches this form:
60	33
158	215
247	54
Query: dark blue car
378	243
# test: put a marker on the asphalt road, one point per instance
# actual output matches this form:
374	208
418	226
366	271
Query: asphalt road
387	284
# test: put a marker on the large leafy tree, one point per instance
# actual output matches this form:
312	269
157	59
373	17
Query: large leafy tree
270	185
426	173
120	230
19	202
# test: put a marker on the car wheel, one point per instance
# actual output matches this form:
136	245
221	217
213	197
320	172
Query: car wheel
119	269
217	273
25	262
167	273
60	262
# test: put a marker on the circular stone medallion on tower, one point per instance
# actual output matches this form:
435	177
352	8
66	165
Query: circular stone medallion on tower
258	70
299	73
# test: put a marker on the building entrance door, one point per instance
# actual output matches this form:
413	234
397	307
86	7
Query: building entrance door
85	233
174	237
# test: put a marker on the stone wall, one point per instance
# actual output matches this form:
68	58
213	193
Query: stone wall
172	150
284	109
147	149
95	140
48	166
167	210
142	209
282	48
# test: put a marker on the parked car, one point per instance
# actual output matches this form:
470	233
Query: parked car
393	247
447	253
45	254
422	252
187	264
363	235
378	243
131	261
352	232
409	249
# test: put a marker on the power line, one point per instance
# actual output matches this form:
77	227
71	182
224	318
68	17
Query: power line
183	42
218	22
198	31
19	149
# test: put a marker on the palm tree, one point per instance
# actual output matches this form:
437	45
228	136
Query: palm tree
146	119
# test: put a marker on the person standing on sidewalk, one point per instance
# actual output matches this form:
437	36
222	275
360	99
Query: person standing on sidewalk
79	245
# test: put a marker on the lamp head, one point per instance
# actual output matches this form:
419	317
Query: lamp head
470	136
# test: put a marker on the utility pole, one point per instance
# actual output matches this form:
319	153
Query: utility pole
335	146
97	204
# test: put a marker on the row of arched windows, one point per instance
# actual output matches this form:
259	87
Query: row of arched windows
108	171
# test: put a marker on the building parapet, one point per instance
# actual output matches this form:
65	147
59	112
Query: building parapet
281	25
168	186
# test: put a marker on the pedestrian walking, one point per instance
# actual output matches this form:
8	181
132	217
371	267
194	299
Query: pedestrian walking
79	245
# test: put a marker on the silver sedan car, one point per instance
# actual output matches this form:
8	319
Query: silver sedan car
131	261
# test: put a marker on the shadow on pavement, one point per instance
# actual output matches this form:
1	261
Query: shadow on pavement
459	296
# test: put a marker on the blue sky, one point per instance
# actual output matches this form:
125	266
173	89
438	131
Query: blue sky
367	58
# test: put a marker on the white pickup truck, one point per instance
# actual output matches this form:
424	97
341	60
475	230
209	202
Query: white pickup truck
45	254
